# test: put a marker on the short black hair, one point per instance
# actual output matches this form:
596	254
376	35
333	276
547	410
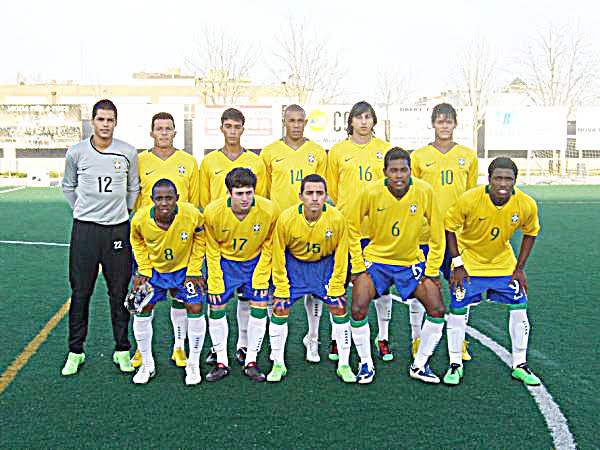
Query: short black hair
358	109
503	162
240	177
313	178
161	116
166	183
233	114
104	104
294	108
444	109
395	153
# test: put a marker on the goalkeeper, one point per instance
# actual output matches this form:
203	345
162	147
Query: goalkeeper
310	257
168	243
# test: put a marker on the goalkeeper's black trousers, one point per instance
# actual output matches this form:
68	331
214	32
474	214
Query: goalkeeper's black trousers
93	244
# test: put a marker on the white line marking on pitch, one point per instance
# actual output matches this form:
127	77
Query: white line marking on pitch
11	190
54	244
556	421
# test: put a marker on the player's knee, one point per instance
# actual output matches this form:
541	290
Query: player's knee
337	310
193	309
438	310
358	312
281	311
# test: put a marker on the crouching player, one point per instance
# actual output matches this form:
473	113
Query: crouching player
310	257
478	229
168	243
239	232
395	209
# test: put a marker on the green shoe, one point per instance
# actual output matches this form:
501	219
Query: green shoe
277	373
454	374
345	373
522	373
122	360
333	353
74	360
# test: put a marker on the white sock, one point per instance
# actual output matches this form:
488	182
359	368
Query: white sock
179	321
455	332
277	337
417	313
314	309
142	330
519	328
431	333
361	336
256	334
243	313
219	333
343	338
383	306
196	334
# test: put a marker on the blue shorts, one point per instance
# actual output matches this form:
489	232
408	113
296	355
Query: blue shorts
309	278
498	289
405	278
446	267
175	283
237	275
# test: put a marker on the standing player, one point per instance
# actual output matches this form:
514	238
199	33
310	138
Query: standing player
451	170
213	169
238	255
394	210
101	184
165	161
479	227
287	162
352	166
310	257
168	244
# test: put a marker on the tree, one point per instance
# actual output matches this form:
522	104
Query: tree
560	68
222	65
311	71
393	87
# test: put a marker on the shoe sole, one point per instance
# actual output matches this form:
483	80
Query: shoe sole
452	383
193	384
349	381
74	373
365	381
152	375
425	380
523	381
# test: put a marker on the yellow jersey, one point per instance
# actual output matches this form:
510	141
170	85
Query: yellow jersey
167	251
239	240
215	166
181	168
286	167
486	230
395	227
311	242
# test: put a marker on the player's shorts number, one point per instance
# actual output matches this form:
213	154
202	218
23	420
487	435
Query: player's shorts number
168	254
494	233
365	174
447	177
190	288
104	184
314	248
239	242
296	176
515	286
396	229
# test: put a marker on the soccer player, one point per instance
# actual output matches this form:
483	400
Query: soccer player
479	227
213	169
287	162
101	184
394	210
165	161
239	232
310	257
352	166
451	170
168	244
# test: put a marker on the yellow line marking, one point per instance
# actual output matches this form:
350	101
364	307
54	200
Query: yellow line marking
11	372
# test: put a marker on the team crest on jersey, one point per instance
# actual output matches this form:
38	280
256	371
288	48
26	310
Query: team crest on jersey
117	165
328	234
183	236
461	162
181	169
379	155
311	158
256	227
413	208
368	264
515	218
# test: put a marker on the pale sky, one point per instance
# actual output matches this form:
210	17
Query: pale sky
106	41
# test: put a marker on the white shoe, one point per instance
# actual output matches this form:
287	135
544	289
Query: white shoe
144	374
192	375
312	349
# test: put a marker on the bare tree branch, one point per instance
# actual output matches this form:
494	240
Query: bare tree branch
393	87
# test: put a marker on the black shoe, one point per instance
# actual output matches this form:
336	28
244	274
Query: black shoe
211	358
240	355
218	373
253	372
